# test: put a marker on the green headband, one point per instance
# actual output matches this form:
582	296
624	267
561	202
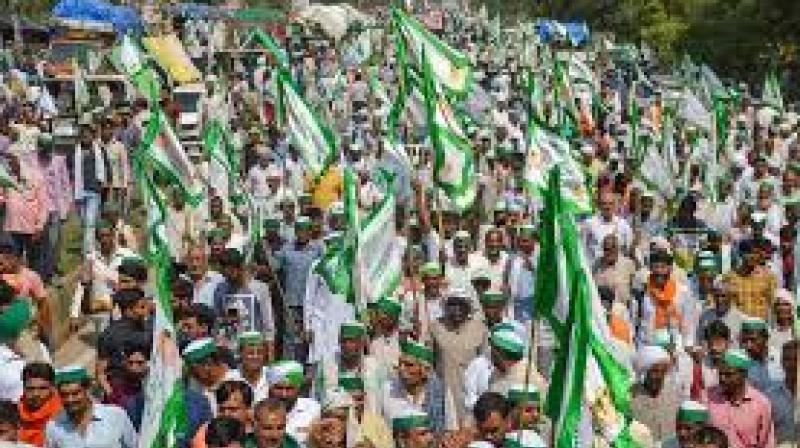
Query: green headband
410	422
519	396
351	330
737	358
389	306
72	374
692	415
493	297
351	383
250	338
198	350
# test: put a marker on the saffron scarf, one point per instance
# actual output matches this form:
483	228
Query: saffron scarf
33	422
666	311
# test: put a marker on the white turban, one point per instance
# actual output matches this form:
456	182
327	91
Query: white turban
648	356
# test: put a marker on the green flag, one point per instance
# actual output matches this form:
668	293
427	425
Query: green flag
453	168
310	136
451	68
587	369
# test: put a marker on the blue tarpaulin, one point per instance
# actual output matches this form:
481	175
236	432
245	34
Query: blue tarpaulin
576	32
123	19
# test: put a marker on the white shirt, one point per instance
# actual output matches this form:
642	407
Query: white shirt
260	389
476	380
10	374
595	229
299	419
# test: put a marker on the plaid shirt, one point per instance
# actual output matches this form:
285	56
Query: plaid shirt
753	294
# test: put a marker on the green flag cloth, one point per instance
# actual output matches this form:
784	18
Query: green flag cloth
587	370
451	68
453	168
310	136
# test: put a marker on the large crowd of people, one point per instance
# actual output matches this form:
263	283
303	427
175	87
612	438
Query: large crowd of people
697	281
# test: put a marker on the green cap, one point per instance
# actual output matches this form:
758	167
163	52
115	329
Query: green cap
519	394
508	342
303	223
753	324
493	296
352	330
692	412
738	358
389	306
15	319
417	350
250	338
290	372
272	223
351	382
410	419
71	374
199	349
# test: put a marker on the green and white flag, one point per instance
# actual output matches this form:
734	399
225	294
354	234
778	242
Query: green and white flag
266	41
451	67
547	150
337	265
771	95
378	264
313	140
453	165
165	154
589	370
130	60
218	145
164	418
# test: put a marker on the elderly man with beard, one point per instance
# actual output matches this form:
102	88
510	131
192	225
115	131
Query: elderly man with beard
457	339
84	422
654	400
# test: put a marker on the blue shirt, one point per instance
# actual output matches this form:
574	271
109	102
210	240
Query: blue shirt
109	427
295	263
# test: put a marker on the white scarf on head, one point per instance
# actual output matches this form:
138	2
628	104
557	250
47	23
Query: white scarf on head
99	168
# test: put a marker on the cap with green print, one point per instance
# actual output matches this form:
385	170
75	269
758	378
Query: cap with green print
692	412
417	351
287	371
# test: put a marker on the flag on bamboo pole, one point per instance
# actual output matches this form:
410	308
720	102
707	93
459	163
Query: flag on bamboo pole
453	166
565	101
165	154
266	41
164	419
771	95
588	372
313	140
451	67
336	267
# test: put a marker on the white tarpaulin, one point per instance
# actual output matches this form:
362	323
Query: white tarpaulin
333	19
